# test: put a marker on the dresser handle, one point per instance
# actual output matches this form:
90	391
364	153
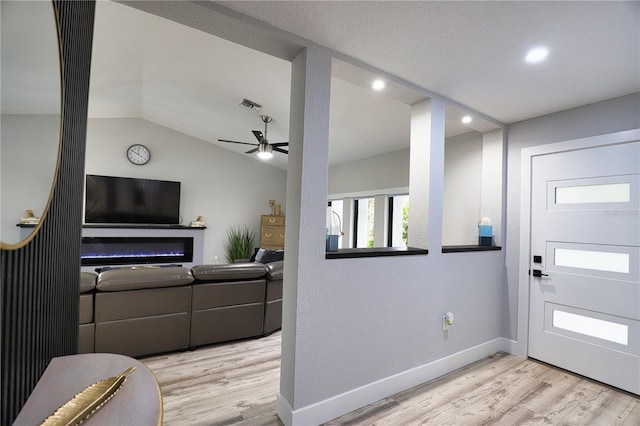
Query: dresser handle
281	235
268	234
272	220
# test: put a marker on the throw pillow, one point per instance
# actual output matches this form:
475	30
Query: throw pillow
270	256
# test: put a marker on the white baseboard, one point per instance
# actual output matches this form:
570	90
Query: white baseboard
284	410
510	346
338	405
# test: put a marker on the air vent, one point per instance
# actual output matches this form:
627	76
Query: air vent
249	104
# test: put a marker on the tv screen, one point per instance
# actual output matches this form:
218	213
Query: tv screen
131	201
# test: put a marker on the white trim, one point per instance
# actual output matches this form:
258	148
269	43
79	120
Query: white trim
521	348
403	190
284	410
338	405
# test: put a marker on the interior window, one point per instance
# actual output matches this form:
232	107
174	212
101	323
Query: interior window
472	178
369	151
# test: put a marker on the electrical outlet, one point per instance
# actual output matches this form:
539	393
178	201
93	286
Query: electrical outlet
447	320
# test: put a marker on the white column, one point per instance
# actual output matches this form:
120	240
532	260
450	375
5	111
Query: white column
347	222
380	225
306	204
426	177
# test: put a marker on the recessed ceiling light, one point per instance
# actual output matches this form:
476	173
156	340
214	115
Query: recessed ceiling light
536	55
378	85
466	119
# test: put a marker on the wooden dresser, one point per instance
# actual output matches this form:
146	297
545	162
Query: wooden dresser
272	232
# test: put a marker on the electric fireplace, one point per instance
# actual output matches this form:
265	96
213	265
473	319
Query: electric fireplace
105	251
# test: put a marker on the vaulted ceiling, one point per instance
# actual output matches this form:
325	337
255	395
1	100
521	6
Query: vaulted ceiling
193	82
472	53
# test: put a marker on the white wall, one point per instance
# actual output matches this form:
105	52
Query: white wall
600	118
462	189
353	327
371	174
226	188
29	155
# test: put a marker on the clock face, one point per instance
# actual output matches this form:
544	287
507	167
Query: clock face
138	154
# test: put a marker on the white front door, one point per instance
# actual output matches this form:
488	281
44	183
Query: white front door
585	262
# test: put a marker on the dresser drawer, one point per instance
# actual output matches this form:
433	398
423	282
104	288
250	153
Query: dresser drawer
272	220
272	235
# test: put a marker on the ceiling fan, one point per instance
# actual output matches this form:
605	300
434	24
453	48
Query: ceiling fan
263	147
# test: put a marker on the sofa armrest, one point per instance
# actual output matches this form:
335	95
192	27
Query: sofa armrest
87	281
275	270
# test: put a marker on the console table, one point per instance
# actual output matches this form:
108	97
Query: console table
138	402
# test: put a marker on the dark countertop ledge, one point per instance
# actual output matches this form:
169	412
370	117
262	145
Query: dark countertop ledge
350	253
463	249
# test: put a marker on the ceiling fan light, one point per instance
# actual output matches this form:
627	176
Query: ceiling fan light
264	151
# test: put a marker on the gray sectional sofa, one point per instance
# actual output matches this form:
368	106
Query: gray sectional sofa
139	311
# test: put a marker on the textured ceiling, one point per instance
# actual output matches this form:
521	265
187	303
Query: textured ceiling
184	72
472	52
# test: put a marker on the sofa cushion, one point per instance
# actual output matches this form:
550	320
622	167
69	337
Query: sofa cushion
228	271
218	294
148	302
87	281
139	277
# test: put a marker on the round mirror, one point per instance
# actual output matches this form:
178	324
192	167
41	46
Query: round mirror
30	126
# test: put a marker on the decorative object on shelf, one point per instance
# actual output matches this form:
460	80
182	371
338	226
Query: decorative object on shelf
272	231
83	405
276	209
485	232
30	219
198	223
333	230
240	243
138	154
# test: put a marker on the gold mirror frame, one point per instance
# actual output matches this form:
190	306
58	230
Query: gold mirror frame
4	245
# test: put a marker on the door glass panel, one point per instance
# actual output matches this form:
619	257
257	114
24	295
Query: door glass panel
597	260
604	193
594	327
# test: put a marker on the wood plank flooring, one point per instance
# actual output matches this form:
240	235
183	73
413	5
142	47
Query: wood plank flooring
236	384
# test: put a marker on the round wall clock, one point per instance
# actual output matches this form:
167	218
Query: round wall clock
138	154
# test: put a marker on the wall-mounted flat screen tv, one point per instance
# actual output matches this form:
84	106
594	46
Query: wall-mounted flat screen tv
123	200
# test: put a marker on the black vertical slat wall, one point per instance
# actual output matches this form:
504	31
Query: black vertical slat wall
40	280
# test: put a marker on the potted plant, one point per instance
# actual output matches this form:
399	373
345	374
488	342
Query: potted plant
240	244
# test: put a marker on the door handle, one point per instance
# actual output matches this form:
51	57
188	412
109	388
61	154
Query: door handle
538	273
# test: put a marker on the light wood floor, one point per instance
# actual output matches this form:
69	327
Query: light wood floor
236	384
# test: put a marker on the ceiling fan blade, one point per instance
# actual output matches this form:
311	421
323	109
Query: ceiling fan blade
280	150
251	151
280	144
258	135
242	143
